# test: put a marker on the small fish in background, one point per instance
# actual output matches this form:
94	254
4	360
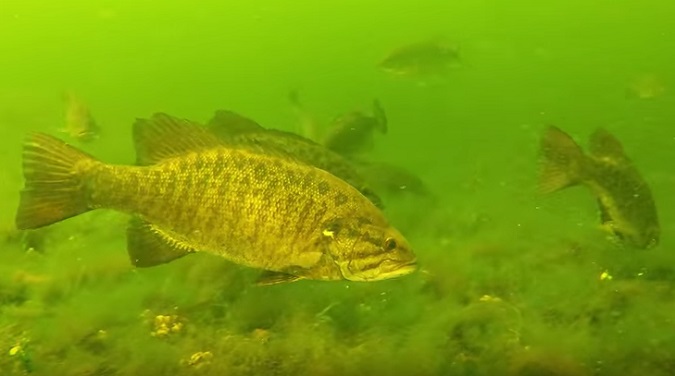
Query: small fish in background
411	203
308	125
349	134
394	180
28	240
646	86
625	200
79	123
433	57
192	192
353	134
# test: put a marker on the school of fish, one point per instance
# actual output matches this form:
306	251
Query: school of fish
306	205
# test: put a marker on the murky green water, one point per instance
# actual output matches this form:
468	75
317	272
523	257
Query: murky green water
510	282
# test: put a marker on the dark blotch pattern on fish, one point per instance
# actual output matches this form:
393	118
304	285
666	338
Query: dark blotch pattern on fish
323	187
341	199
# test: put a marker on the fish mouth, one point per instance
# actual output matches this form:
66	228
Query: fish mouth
404	269
385	269
396	270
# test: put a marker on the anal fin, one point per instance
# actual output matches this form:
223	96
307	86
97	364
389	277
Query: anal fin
148	245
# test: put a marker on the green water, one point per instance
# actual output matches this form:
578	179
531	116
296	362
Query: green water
510	282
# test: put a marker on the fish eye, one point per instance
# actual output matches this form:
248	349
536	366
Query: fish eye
390	244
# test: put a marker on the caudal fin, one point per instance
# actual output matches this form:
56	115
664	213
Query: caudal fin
562	161
54	189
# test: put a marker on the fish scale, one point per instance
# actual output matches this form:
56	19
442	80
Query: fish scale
188	208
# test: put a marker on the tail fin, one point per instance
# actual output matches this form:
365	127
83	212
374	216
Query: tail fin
54	189
562	161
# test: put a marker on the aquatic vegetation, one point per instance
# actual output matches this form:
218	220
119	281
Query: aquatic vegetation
480	311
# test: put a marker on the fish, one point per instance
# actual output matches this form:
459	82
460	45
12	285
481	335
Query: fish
29	241
352	134
240	131
627	208
427	58
79	122
394	180
189	192
646	86
308	125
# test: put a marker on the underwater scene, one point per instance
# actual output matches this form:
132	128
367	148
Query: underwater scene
337	187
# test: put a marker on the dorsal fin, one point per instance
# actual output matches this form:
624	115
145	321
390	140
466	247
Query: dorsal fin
164	136
226	123
295	136
604	145
239	131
